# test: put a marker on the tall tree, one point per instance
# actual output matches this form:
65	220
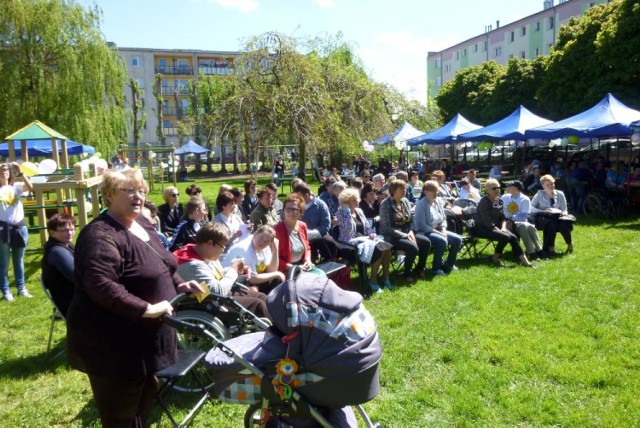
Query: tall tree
138	114
470	92
57	68
574	71
159	109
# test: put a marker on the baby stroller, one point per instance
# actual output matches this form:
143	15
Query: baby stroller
320	357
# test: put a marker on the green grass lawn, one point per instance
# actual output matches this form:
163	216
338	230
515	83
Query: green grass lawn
484	346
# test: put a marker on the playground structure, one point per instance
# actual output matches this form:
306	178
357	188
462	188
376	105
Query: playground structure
150	151
69	185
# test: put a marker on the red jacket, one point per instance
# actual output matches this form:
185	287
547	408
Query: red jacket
284	250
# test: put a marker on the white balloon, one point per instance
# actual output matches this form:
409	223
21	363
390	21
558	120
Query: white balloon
47	166
365	143
635	138
152	155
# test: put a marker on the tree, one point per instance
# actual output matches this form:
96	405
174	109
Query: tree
138	114
157	93
57	68
470	92
517	86
572	80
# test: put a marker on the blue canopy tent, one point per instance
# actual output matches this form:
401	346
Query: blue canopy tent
43	148
607	118
190	147
447	134
405	132
511	127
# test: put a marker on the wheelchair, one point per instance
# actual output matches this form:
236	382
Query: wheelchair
222	316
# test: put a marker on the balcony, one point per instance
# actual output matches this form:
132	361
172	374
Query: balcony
175	69
216	71
168	111
169	131
170	90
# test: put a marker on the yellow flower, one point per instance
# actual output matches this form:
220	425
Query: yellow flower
7	196
512	208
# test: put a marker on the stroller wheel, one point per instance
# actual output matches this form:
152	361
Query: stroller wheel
193	341
253	416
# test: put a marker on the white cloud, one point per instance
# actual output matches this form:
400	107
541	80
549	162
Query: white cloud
244	6
326	4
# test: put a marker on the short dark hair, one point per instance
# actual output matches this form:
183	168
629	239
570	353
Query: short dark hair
151	206
193	188
224	199
366	189
248	184
263	192
302	188
58	220
271	186
236	192
215	232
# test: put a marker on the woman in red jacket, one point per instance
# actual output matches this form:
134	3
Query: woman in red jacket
293	244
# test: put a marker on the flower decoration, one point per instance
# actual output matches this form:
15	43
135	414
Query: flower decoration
512	208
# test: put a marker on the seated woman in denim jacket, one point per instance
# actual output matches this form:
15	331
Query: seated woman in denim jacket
353	224
430	221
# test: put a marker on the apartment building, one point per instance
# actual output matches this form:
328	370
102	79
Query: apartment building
526	38
177	67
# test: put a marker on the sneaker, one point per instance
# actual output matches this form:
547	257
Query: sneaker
388	285
453	268
375	288
25	293
9	297
438	272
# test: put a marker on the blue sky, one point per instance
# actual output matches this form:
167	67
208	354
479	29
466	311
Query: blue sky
391	37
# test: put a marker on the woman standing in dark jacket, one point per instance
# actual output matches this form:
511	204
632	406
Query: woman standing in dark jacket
124	280
490	223
396	221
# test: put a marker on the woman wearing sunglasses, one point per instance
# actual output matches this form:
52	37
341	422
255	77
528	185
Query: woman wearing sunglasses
490	223
171	211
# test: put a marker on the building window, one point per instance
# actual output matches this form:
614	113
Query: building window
167	124
538	26
512	36
475	48
524	31
549	46
136	61
523	55
457	55
498	51
438	82
537	51
464	52
485	46
510	56
448	68
438	63
551	22
140	82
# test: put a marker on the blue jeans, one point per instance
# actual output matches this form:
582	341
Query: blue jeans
439	245
17	257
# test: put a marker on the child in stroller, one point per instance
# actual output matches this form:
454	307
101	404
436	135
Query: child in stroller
319	358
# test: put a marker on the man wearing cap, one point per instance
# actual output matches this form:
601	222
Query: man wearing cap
516	207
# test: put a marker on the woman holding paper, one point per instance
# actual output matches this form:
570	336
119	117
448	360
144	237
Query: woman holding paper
226	204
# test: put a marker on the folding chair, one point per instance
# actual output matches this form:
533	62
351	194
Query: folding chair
188	360
473	246
56	315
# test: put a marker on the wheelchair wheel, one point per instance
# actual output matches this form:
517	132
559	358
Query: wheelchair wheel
193	341
252	416
592	206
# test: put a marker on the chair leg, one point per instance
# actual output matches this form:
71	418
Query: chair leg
53	320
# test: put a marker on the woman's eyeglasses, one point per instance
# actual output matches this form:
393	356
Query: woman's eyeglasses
131	191
292	210
220	245
175	195
494	188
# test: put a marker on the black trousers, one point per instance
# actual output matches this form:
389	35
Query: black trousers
412	250
552	228
124	403
502	238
